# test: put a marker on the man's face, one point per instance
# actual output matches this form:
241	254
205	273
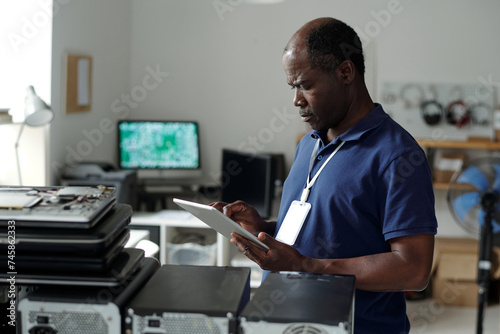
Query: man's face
320	96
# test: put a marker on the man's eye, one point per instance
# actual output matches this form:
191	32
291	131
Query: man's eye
299	87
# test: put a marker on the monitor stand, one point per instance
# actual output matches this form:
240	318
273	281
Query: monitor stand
156	188
167	176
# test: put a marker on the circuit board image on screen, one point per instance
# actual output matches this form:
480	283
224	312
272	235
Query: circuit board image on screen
158	145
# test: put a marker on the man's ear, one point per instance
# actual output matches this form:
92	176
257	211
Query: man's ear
347	71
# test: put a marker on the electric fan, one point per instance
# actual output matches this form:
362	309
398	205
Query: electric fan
473	199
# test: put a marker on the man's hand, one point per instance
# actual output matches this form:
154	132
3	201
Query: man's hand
243	214
280	256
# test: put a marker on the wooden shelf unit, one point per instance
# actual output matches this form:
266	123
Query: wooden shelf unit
432	145
441	185
467	145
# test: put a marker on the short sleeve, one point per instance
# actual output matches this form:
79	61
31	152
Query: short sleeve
406	196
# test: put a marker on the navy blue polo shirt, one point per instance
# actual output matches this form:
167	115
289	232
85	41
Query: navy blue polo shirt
378	186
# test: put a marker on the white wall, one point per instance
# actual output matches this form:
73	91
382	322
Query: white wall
100	29
26	30
224	68
225	74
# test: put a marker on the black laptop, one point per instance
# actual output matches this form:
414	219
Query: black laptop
127	261
55	207
69	240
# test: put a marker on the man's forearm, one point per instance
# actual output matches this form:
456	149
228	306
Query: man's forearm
380	272
406	267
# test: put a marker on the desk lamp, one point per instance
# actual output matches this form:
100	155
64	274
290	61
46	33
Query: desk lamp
36	113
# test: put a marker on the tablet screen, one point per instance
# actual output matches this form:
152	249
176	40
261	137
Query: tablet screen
218	221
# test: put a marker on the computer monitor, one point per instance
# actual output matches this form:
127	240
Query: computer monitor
159	149
250	178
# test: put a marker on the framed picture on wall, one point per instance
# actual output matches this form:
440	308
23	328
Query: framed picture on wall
78	83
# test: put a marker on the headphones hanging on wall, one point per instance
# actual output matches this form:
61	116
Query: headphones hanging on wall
481	114
458	114
412	95
430	109
432	112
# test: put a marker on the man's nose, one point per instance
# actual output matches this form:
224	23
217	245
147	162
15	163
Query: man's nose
298	98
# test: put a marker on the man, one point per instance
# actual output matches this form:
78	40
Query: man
370	211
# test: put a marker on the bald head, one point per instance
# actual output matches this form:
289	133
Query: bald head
300	37
328	42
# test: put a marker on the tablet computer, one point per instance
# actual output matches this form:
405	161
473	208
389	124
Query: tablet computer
218	221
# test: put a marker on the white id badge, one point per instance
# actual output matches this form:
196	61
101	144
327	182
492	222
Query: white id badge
292	224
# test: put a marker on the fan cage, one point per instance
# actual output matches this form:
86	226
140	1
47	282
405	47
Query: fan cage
472	220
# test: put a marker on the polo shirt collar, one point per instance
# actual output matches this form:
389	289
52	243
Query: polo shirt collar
373	120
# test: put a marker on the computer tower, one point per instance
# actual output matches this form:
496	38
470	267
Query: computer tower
251	178
182	299
68	309
289	303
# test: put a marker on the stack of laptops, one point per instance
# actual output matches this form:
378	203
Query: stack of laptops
65	236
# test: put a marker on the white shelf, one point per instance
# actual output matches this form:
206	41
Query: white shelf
168	220
175	218
136	236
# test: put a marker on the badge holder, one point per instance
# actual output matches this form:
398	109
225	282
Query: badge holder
298	210
294	219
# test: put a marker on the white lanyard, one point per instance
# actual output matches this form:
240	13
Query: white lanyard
307	189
